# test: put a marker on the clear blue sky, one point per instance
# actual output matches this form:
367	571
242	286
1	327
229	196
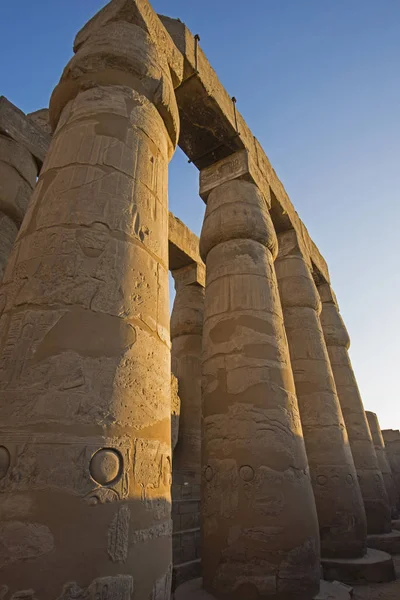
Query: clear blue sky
318	82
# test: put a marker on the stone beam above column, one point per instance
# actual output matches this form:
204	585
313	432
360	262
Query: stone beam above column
16	125
212	130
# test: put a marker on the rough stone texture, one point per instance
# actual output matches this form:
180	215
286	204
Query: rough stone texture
193	590
186	336
41	118
259	525
391	438
374	567
175	411
376	501
383	461
387	542
84	335
18	171
208	134
16	125
380	591
340	509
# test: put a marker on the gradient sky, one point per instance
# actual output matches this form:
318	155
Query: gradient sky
318	83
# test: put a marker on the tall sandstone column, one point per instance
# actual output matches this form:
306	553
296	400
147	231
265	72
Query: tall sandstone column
340	509
383	461
18	172
391	438
85	346
259	525
186	336
375	498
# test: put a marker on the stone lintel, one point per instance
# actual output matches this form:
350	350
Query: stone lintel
183	245
140	13
239	165
16	125
191	275
209	130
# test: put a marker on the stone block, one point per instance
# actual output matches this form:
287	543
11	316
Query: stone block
240	165
16	125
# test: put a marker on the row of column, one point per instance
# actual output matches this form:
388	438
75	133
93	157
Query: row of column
286	455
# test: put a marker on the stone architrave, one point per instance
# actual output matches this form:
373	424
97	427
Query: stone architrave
18	172
383	460
259	524
391	438
85	456
373	490
186	337
340	509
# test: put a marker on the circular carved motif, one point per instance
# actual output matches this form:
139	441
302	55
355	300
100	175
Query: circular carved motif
208	473
105	466
321	480
4	461
246	473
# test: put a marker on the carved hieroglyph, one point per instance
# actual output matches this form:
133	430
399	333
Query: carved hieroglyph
373	490
259	525
341	514
85	463
383	460
18	171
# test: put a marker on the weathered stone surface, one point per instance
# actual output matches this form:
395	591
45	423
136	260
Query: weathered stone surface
137	12
340	509
16	125
383	461
186	336
376	501
175	411
209	134
183	247
387	542
259	525
374	567
85	346
41	118
8	233
391	438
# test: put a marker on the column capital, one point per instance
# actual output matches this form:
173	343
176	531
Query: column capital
239	165
193	274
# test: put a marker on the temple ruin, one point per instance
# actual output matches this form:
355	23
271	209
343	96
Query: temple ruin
222	451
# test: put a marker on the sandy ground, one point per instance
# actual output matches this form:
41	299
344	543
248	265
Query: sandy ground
380	591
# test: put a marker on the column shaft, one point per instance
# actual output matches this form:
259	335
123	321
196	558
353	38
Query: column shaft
373	490
186	336
391	438
85	345
383	461
341	514
259	526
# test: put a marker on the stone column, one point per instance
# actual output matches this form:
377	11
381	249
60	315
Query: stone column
340	509
259	525
391	438
383	461
85	343
375	498
186	336
18	172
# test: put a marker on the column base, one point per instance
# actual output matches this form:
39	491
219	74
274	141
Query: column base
374	567
396	524
387	542
193	590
